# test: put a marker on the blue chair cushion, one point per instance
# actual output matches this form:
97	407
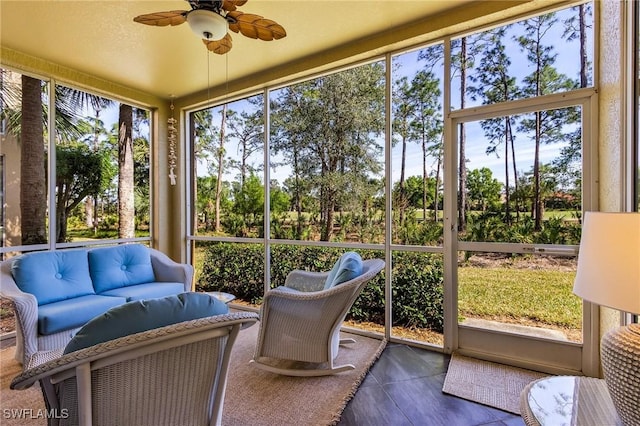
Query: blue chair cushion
53	275
120	266
142	315
73	313
146	291
348	267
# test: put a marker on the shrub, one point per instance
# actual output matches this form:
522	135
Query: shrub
417	279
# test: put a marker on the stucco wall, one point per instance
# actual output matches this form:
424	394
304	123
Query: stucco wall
10	152
612	134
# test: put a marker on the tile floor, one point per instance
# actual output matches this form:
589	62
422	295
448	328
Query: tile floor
404	387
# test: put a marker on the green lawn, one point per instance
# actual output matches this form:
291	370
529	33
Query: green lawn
538	295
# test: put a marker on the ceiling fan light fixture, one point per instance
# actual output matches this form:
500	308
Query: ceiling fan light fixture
207	24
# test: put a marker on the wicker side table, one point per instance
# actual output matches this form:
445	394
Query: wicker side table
568	400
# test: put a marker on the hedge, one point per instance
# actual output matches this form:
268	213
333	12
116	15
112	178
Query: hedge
417	279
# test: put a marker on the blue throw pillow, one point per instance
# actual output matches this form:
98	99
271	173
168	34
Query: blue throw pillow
348	267
52	276
120	266
142	315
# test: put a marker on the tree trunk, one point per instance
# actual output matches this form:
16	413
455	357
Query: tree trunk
220	166
537	199
462	170
126	205
583	46
91	203
507	200
61	214
403	196
436	191
515	170
424	179
194	173
33	186
297	195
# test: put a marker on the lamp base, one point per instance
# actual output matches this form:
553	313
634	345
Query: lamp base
620	351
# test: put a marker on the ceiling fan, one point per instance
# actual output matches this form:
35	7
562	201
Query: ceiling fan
211	20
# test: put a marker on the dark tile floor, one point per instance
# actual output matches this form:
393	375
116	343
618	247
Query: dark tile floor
404	387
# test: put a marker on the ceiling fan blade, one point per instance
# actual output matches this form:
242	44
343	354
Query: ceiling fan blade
231	5
162	19
221	46
255	26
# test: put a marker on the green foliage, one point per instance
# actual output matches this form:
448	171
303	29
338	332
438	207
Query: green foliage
491	227
418	290
417	279
280	200
235	268
414	232
483	189
249	199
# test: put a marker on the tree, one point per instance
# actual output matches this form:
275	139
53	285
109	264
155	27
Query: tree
334	141
414	188
546	126
279	200
484	189
248	129
126	194
576	28
33	187
249	198
426	128
29	124
291	140
496	85
220	153
95	131
205	139
403	111
80	172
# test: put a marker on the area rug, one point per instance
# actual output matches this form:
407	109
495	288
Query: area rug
488	383
19	408
253	397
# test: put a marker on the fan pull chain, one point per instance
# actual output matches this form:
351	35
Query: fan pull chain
208	76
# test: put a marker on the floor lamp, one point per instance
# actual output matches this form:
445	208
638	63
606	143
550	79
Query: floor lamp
609	275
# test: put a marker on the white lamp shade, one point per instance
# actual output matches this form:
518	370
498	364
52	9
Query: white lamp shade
207	24
609	261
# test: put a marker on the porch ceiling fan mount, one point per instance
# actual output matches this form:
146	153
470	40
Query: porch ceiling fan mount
212	19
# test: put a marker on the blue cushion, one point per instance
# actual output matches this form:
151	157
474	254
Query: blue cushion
348	267
53	275
120	266
146	291
143	315
73	313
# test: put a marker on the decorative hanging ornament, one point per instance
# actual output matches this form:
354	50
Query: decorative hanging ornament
172	133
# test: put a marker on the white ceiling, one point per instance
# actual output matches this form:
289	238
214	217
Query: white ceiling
99	38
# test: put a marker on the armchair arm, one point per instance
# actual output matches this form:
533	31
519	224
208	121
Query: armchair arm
26	311
166	269
63	365
306	280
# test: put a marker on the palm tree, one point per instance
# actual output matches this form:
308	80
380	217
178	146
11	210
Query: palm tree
29	125
33	185
126	199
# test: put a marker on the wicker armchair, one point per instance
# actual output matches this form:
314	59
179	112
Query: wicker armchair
174	375
301	322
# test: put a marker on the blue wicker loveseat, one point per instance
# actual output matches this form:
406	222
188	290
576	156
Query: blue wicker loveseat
56	292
